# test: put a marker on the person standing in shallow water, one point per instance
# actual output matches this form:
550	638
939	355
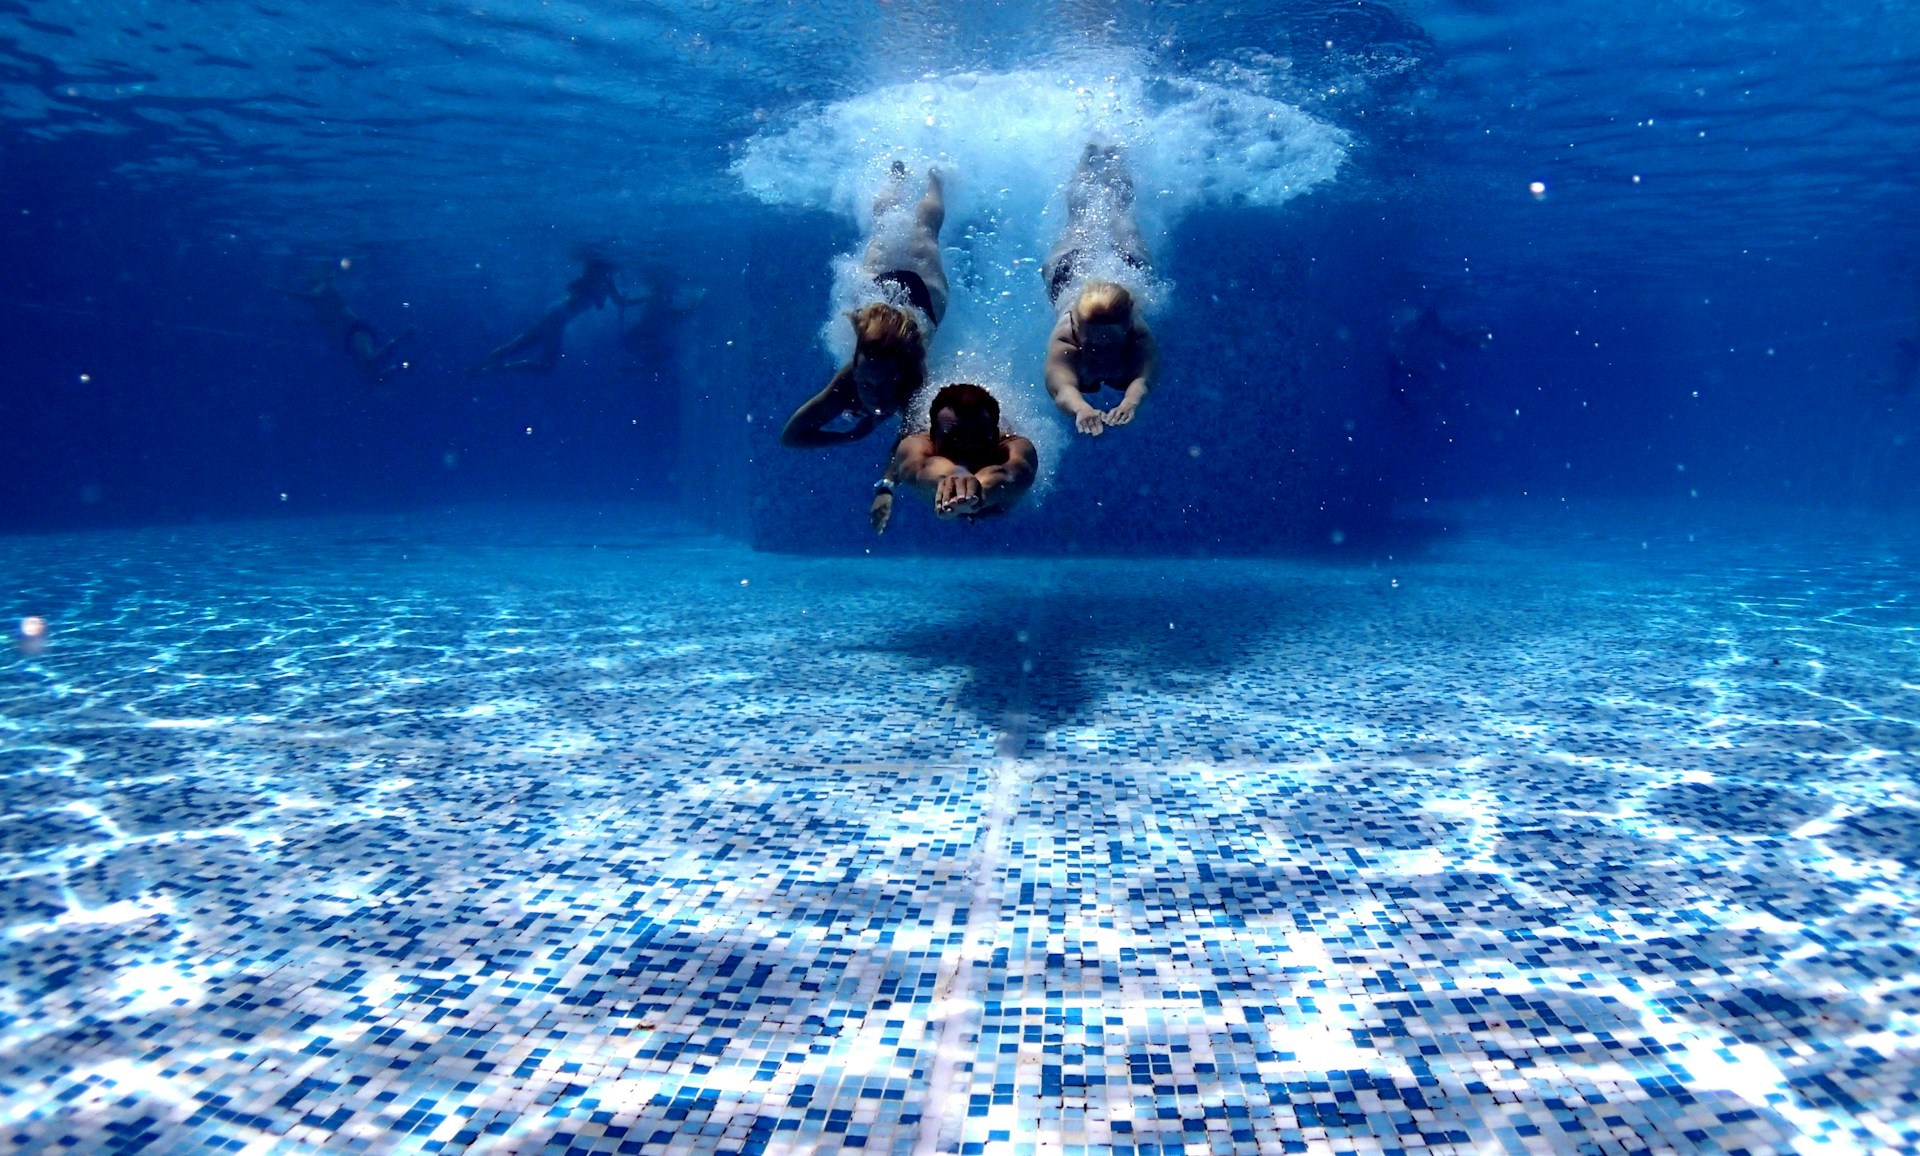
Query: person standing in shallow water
891	332
1100	341
346	331
963	464
540	342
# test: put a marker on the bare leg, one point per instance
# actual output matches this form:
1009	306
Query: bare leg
932	210
919	252
1101	192
888	200
546	359
380	355
376	365
498	358
544	335
929	216
1099	181
1126	238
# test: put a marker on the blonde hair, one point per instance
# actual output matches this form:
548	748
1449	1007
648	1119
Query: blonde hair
880	330
883	332
1104	301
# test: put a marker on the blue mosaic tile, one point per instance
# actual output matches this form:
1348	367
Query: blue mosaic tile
415	836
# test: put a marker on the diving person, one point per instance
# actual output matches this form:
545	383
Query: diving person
651	323
907	285
1100	341
346	330
592	289
964	464
1422	349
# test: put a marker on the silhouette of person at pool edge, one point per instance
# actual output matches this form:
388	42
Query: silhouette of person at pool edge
963	464
345	329
1100	341
592	289
891	333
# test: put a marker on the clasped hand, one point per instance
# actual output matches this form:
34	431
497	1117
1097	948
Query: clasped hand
958	494
1093	422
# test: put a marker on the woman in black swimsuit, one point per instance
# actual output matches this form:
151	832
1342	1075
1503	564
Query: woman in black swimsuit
1099	342
891	334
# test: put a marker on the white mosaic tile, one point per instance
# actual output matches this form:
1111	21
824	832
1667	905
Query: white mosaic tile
364	835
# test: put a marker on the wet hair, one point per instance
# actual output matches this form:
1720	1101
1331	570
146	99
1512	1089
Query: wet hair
965	398
1103	302
599	270
883	332
880	330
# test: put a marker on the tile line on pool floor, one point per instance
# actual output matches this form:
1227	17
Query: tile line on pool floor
1516	855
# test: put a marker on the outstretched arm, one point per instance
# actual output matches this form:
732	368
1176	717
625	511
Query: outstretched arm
957	491
803	429
951	487
381	353
918	468
1063	380
881	511
1148	360
1002	486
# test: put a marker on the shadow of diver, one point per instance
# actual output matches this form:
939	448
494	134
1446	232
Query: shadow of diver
1033	661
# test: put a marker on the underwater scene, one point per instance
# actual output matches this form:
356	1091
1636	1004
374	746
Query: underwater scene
958	577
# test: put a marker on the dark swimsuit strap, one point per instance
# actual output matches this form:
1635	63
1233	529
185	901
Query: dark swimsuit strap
1062	273
913	285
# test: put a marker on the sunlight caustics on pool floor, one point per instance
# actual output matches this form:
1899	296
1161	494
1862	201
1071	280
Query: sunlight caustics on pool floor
432	835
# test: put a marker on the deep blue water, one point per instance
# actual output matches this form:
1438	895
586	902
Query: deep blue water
1393	741
1707	298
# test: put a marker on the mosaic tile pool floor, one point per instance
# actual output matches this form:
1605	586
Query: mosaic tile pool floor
433	835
